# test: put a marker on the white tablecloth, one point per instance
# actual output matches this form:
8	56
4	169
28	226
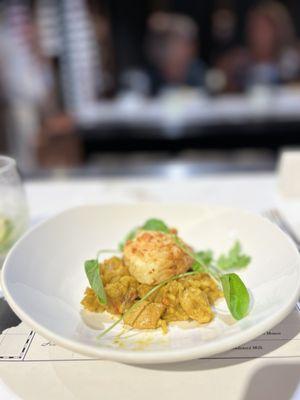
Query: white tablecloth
209	379
251	191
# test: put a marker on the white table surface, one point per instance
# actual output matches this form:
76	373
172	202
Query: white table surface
209	379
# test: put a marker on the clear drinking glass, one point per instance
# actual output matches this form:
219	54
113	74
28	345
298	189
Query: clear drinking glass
13	206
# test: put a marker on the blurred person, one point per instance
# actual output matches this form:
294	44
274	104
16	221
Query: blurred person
271	55
171	47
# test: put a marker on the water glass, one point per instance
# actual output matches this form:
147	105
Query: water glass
13	206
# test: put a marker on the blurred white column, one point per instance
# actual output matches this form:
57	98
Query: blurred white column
24	83
81	55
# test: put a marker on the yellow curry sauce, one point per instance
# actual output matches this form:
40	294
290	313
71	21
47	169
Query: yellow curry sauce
188	298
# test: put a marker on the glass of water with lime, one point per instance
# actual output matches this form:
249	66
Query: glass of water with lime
13	206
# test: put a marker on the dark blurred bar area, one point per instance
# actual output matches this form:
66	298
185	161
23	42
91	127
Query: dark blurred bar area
147	87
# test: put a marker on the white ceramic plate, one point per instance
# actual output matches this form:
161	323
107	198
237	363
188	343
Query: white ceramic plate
43	278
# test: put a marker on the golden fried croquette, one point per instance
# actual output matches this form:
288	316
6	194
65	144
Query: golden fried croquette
153	256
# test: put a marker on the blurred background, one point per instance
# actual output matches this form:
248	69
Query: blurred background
166	87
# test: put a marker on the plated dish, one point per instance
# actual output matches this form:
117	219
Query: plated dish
157	279
44	281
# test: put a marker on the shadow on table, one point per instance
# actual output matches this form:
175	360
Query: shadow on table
8	318
276	382
229	358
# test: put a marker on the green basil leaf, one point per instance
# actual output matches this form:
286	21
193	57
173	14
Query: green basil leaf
197	267
235	259
236	295
206	256
92	271
202	258
154	224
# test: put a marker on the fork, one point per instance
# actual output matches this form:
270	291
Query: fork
276	217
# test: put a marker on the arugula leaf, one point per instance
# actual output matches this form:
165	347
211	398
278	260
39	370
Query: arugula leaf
92	271
203	257
235	259
236	295
154	224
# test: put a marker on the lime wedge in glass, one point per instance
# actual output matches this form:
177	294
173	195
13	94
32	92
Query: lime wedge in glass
6	228
3	229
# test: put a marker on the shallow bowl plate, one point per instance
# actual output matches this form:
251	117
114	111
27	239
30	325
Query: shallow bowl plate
43	279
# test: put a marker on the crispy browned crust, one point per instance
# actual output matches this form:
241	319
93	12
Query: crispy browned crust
154	256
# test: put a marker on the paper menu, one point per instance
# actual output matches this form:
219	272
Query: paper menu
21	344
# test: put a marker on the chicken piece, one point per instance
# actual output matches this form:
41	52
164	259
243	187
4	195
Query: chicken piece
121	294
130	317
90	301
206	284
195	303
173	314
145	315
169	295
143	289
112	269
154	256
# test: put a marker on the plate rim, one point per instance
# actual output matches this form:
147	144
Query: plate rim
161	356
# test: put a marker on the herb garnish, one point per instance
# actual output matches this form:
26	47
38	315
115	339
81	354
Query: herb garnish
92	270
204	257
154	224
235	258
236	295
